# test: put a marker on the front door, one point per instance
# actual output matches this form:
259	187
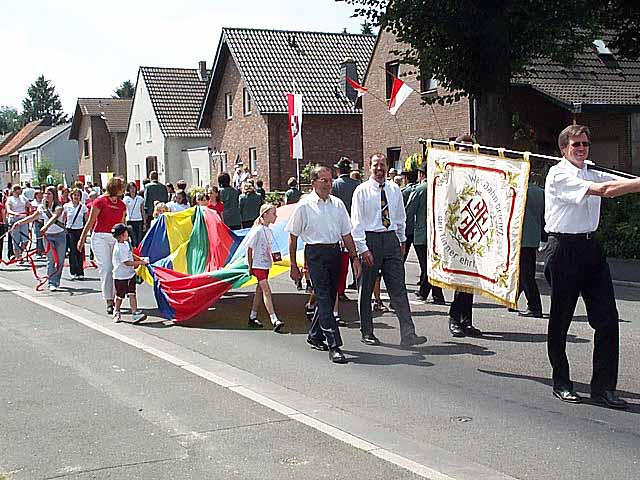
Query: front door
152	164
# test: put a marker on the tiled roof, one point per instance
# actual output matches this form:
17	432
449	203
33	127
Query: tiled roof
114	110
45	137
274	62
23	136
593	81
176	95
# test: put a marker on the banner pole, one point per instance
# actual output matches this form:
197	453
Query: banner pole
515	154
298	171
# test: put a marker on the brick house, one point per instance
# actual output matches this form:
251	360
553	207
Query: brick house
600	91
246	108
100	127
162	134
9	157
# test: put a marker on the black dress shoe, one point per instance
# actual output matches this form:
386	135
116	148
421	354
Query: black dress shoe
340	322
370	339
471	331
336	356
567	395
610	399
254	323
317	344
530	314
439	301
413	340
455	329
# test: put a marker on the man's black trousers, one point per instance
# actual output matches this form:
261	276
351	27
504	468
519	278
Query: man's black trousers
575	265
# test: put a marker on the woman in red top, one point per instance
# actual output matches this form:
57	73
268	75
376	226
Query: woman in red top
214	200
106	211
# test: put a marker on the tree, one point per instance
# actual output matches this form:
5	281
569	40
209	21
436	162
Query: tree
10	120
366	28
43	101
45	169
477	47
125	90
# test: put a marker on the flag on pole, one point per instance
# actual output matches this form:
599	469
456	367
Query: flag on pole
294	103
476	208
357	87
399	94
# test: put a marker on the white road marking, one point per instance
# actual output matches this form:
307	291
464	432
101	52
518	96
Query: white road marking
78	314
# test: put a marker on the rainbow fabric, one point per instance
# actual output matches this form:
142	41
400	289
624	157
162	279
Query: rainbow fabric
194	259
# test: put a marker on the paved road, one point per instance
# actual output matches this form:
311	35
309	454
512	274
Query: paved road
468	408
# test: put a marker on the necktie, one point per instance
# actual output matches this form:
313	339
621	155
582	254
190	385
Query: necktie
384	208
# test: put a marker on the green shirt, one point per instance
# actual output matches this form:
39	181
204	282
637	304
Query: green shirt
417	210
533	223
231	214
250	206
406	193
292	196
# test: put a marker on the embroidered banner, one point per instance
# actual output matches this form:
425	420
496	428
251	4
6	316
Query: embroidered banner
474	218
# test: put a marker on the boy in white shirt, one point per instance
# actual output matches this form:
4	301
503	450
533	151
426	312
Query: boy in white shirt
124	274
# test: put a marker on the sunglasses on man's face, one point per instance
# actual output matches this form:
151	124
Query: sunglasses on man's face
580	144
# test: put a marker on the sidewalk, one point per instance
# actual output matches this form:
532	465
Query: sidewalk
624	272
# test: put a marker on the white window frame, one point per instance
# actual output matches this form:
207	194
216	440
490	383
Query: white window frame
246	101
228	106
148	131
138	134
195	176
253	160
136	172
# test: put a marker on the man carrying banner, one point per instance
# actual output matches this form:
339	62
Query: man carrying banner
321	220
575	265
378	218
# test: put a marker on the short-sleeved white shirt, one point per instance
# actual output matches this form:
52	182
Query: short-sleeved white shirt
568	207
17	204
133	207
319	221
70	211
45	215
260	240
122	253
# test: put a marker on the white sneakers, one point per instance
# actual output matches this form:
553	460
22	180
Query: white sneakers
139	316
53	288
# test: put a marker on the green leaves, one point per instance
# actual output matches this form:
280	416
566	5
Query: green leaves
42	101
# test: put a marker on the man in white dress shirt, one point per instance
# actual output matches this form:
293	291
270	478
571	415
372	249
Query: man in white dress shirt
322	222
378	218
575	265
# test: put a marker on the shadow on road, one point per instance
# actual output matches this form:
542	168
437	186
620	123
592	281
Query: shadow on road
371	358
526	337
580	387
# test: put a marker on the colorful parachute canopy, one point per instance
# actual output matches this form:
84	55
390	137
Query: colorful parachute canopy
194	259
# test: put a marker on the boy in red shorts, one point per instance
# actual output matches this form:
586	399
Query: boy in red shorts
124	273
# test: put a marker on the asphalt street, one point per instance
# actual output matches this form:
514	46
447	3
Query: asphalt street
78	403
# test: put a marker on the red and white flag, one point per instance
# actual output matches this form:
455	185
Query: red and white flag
399	94
357	87
294	103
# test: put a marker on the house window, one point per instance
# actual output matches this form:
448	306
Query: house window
136	172
393	154
246	101
392	69
138	134
86	147
148	130
428	84
253	160
228	106
195	176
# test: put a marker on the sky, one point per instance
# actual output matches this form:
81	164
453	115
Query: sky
87	49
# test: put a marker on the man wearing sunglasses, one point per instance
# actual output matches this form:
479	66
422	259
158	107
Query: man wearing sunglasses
575	265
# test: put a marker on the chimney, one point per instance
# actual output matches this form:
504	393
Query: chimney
348	69
202	70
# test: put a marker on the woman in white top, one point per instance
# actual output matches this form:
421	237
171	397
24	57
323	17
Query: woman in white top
259	259
135	213
17	207
180	203
38	224
75	216
54	234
